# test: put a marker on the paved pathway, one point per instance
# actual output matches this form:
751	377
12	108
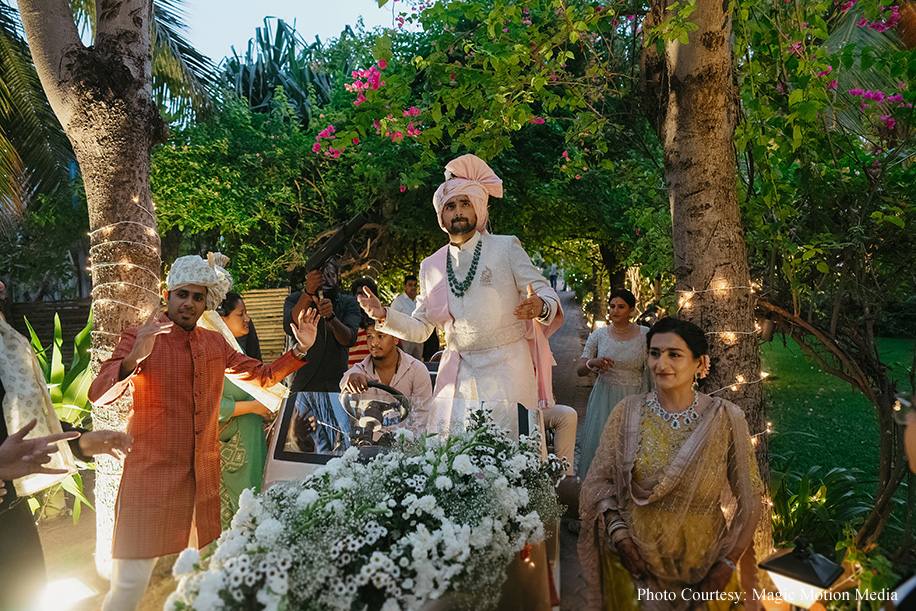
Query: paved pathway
570	389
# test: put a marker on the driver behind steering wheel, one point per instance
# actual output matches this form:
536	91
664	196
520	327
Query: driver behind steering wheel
388	365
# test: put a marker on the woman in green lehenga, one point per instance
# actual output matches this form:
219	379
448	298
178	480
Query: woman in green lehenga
243	446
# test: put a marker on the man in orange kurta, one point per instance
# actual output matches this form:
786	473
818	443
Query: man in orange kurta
169	493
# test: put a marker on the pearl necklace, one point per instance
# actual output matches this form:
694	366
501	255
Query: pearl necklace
684	417
624	332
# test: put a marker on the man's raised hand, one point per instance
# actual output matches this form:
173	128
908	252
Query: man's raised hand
530	307
306	329
145	341
371	305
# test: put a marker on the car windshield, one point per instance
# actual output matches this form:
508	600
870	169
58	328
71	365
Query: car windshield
323	425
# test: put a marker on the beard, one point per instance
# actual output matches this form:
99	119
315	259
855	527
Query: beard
459	226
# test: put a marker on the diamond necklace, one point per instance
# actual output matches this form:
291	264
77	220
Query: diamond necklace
684	417
460	288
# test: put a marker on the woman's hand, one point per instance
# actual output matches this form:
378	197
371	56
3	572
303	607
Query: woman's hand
717	577
630	558
599	364
371	305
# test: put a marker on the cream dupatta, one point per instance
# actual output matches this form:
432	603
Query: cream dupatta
685	517
26	399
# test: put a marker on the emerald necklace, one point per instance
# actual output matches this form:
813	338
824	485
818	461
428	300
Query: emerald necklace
460	288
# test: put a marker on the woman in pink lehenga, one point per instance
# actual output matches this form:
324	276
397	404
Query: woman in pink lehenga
673	496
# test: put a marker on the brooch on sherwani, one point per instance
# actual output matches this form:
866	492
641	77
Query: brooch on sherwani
486	277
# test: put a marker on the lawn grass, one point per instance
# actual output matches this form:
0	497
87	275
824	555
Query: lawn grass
819	419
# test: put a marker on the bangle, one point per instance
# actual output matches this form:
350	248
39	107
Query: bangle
729	564
299	355
545	309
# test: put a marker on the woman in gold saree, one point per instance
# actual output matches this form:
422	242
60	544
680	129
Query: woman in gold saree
673	496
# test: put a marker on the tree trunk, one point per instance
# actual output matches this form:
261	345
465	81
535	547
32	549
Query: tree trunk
102	96
691	101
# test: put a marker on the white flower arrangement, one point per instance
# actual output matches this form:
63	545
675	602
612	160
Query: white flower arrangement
432	517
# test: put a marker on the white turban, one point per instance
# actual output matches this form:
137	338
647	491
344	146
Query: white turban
195	270
469	175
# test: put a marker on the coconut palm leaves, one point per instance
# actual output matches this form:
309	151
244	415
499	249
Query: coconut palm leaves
34	152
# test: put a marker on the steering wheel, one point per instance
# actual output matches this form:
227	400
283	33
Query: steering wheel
373	417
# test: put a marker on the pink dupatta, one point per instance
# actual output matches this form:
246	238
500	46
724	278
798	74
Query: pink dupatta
437	312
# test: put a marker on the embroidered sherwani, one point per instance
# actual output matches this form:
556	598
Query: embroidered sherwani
495	358
171	475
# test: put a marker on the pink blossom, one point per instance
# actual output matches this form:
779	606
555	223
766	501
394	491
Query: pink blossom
565	155
877	96
825	72
355	140
856	91
335	153
780	88
831	85
382	64
889	121
862	22
848	5
578	176
893	99
397	136
403	188
797	47
412	131
326	132
537	121
615	23
316	147
359	99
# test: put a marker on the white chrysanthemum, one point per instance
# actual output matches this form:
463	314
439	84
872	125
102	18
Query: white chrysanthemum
463	465
268	532
269	601
351	454
207	601
402	434
344	483
391	605
444	483
306	498
185	563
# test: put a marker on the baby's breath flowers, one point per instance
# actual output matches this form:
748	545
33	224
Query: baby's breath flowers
432	517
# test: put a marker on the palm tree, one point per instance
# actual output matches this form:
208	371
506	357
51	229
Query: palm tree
35	154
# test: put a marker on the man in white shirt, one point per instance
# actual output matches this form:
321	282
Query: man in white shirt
405	303
388	365
494	305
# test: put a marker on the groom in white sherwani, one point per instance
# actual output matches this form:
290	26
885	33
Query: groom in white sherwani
493	304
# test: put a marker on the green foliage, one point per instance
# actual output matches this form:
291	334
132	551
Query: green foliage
817	505
873	571
42	253
278	57
69	388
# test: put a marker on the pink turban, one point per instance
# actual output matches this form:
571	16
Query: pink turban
469	175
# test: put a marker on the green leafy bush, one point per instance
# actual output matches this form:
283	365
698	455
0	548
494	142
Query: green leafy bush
817	505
